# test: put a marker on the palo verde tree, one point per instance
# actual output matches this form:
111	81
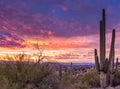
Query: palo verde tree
39	54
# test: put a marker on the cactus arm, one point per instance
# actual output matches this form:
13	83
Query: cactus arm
111	58
97	61
111	55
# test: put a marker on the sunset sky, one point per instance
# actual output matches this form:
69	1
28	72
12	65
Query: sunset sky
67	30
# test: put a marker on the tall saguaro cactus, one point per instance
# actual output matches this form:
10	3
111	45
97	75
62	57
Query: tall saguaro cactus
103	65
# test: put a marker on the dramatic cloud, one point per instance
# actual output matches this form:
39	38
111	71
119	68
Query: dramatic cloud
67	25
7	39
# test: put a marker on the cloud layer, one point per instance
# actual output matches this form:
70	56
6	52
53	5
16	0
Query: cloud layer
56	24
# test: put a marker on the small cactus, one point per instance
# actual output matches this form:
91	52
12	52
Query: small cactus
60	71
71	66
116	67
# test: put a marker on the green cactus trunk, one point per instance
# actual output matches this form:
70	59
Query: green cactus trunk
103	80
102	41
102	52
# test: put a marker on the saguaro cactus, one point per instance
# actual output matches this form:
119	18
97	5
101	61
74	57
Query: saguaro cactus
103	64
116	67
60	71
71	68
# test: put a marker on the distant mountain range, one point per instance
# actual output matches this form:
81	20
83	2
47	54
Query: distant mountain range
63	63
69	63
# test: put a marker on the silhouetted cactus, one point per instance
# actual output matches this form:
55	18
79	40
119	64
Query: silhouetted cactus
104	64
71	66
116	67
60	71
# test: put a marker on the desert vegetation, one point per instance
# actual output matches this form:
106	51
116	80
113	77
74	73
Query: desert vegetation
22	74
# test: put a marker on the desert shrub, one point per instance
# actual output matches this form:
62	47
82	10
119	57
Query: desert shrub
72	82
22	74
116	78
91	78
68	79
81	85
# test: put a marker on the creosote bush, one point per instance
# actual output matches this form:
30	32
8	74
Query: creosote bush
91	78
116	80
21	75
